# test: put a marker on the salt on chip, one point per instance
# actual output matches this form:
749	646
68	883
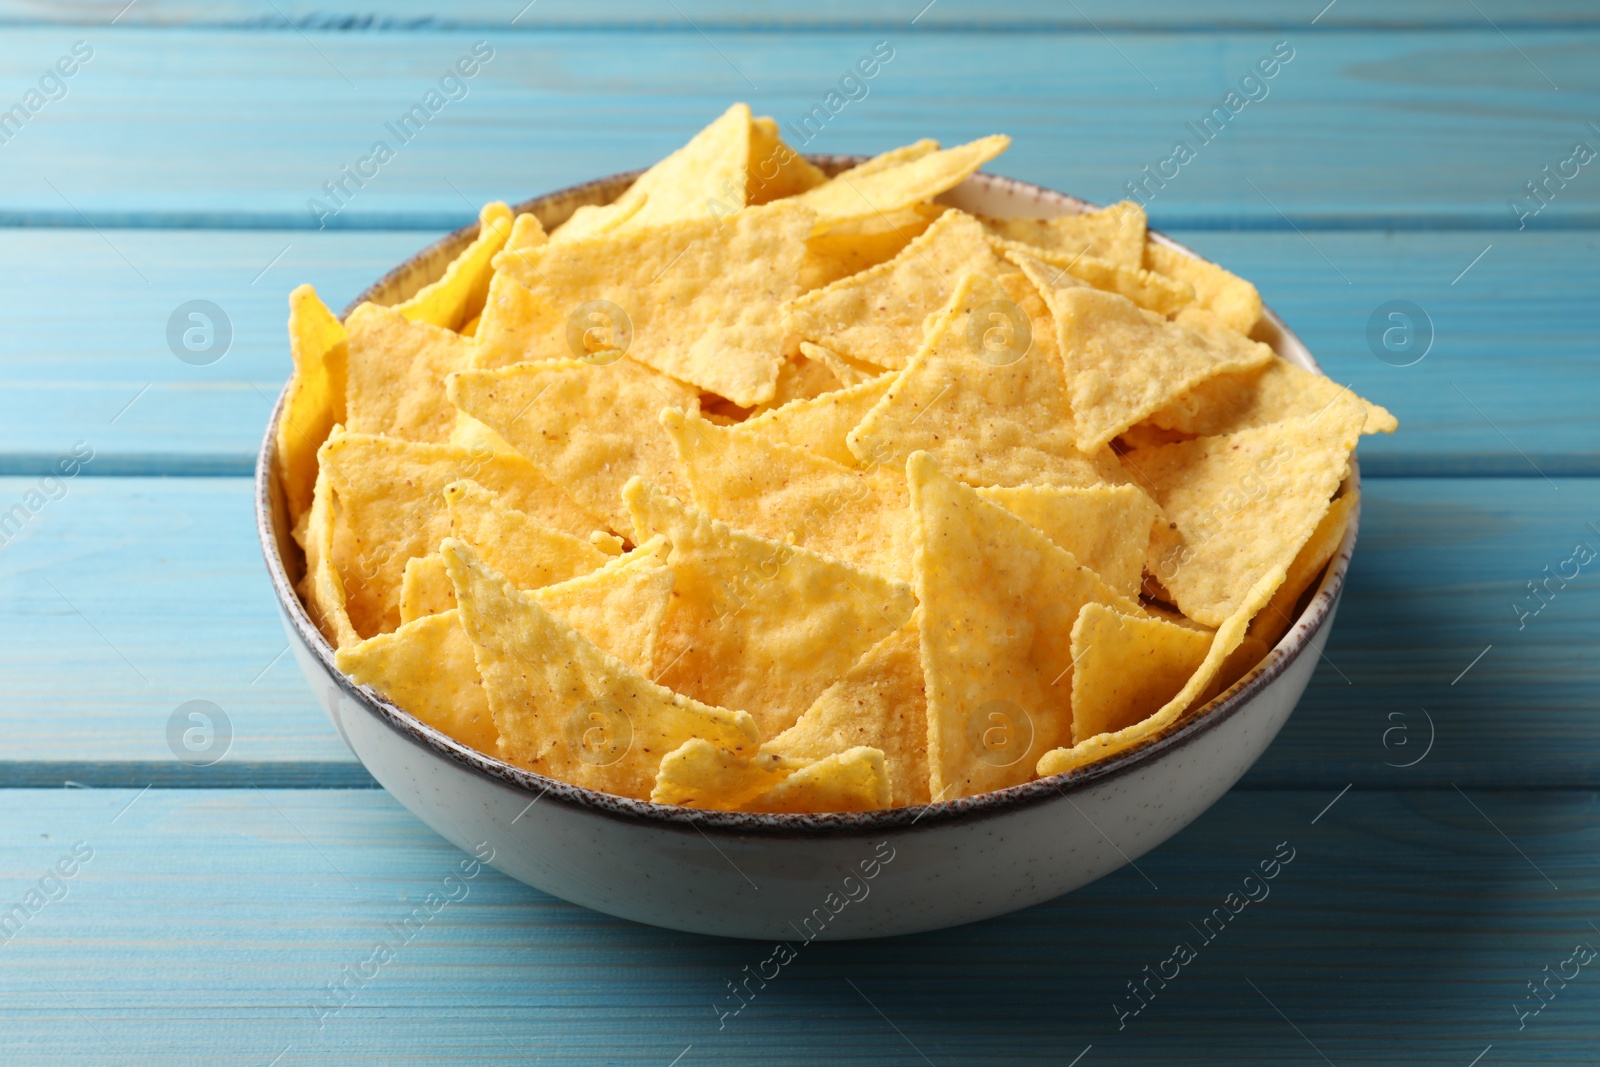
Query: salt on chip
322	586
1277	391
880	703
775	170
1149	290
1127	668
397	370
1121	363
1276	618
458	295
856	780
698	774
788	494
428	668
854	195
1241	505
1228	637
984	397
1105	527
698	299
848	370
1229	297
529	553
819	425
755	623
588	427
316	400
876	316
562	706
425	588
999	600
1115	233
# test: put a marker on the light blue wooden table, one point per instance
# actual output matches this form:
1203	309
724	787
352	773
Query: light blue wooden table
1438	783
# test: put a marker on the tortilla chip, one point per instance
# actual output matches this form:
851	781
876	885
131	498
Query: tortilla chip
589	428
1227	296
819	425
1240	662
619	607
866	242
526	232
990	419
1242	505
1149	290
880	703
322	587
1147	435
856	780
459	294
856	194
799	378
895	157
591	219
318	346
470	328
1229	403
788	494
699	299
757	624
1127	668
562	706
707	177
1279	614
530	554
698	774
1122	363
425	588
1105	527
876	316
1227	638
1114	233
427	668
848	371
776	170
999	601
396	377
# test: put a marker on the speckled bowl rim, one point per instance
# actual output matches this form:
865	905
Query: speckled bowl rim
272	534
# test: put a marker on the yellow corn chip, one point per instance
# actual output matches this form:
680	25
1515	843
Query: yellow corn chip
470	329
459	294
1105	527
425	588
698	774
983	397
819	425
1229	403
562	706
1123	363
799	378
856	780
526	232
317	343
705	178
854	194
1227	638
1151	291
591	219
1227	296
322	588
1241	505
619	607
879	703
427	667
1279	614
999	601
775	169
697	299
589	428
530	554
895	157
1127	668
1147	435
876	316
866	242
790	495
1114	233
1240	662
757	624
848	371
396	375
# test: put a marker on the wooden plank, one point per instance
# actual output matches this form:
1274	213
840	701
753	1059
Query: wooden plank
1506	389
1402	129
131	596
207	925
712	15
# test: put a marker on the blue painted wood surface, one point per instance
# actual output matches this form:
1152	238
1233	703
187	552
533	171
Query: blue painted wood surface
221	901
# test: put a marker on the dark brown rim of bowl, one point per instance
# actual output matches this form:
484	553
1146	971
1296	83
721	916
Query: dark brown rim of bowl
274	537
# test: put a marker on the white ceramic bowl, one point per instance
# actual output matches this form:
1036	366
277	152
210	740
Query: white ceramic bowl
796	878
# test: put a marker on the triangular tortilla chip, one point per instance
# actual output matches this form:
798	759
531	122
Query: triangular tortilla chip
999	600
459	294
881	703
876	316
317	343
425	588
1226	295
819	425
787	494
530	554
1114	233
1241	505
854	194
526	232
396	376
427	667
589	428
1122	363
619	607
1151	291
758	624
709	175
894	157
856	780
562	706
698	774
392	507
1227	638
1229	403
854	246
990	416
1279	614
775	169
849	371
698	299
322	587
1105	527
1127	668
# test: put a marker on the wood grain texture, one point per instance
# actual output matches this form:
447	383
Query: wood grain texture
207	925
1507	388
131	596
1404	129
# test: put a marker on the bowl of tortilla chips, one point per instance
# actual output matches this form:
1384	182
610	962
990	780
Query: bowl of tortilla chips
807	547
